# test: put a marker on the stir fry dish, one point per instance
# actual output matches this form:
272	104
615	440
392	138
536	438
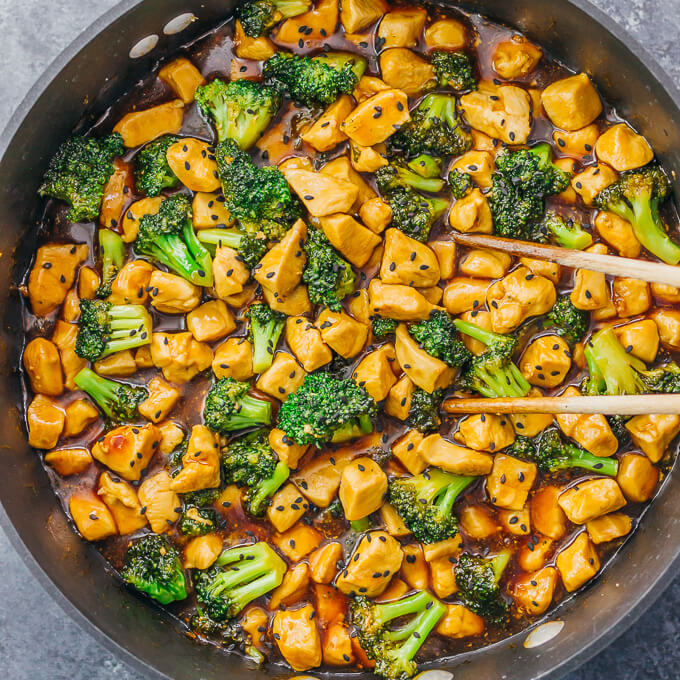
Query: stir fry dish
248	306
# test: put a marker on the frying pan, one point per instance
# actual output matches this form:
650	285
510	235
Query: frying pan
75	91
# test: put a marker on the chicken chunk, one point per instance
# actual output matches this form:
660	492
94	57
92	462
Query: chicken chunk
500	111
609	527
547	516
183	77
352	239
304	340
91	517
439	452
285	448
286	508
653	433
397	301
407	451
64	337
131	285
209	211
200	464
408	262
618	233
516	58
446	34
459	622
402	27
363	485
52	275
640	338
128	449
234	359
485	432
637	477
517	297
282	378
179	356
172	294
578	563
404	70
622	148
298	541
202	552
45	419
479	165
323	562
463	294
163	506
322	194
210	321
591	499
121	500
293	587
589	183
161	400
280	270
43	366
376	558
117	364
356	15
533	592
510	481
364	129
472	214
258	49
375	372
69	461
367	159
482	262
297	637
571	103
546	361
193	161
139	127
668	323
342	333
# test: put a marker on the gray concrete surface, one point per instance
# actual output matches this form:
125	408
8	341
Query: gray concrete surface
37	640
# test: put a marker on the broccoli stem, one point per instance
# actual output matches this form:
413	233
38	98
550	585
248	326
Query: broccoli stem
353	429
477	332
265	337
426	166
509	383
619	370
453	490
268	487
569	236
252	411
117	400
216	238
123	320
358	526
112	251
649	230
579	458
499	563
420	182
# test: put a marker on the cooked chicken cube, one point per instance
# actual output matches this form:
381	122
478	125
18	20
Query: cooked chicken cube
183	77
342	333
516	58
609	527
282	378
472	214
179	356
485	432
160	402
397	301
640	338
280	270
653	433
367	159
121	500
578	563
202	552
515	522
510	481
293	587
91	517
577	143
546	361
547	516
163	506
407	261
622	148
668	323
441	453
43	366
69	461
295	303
304	340
297	637
402	27
298	541
404	70
631	297
362	127
618	233
325	132
533	592
286	508
375	372
352	239
285	448
591	499
572	103
363	486
322	194
172	294
592	181
134	214
117	364
45	420
463	294
128	449
234	359
323	562
210	321
139	127
482	262
131	285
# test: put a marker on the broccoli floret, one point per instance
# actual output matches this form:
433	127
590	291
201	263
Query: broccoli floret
412	213
251	249
257	17
568	321
314	81
152	171
614	370
325	409
168	237
439	337
522	181
105	328
239	576
197	521
229	407
636	197
152	565
78	173
264	331
250	461
460	183
426	166
383	326
240	110
393	649
201	498
454	70
551	453
566	233
424	414
259	198
112	253
478	579
228	633
424	503
434	128
493	374
119	401
329	278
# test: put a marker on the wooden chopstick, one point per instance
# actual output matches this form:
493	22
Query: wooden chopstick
655	272
627	405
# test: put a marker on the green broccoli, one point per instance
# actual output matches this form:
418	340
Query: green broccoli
229	633
434	129
119	401
203	497
424	412
105	328
522	181
152	565
454	70
229	407
240	110
551	454
168	237
460	183
426	166
264	331
383	326
314	81
439	337
250	461
326	409
259	198
393	649
78	174
568	321
478	579
412	213
257	17
152	171
566	233
493	374
424	503
329	278
251	249
197	521
636	197
112	254
240	575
